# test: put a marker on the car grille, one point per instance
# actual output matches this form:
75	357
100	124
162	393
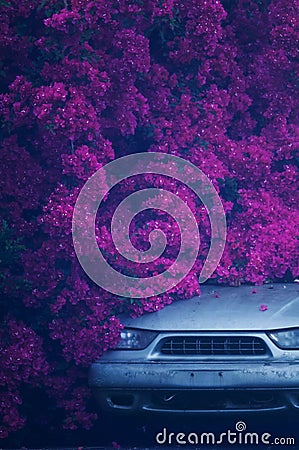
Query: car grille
214	345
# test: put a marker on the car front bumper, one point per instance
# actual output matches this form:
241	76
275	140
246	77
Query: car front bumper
190	387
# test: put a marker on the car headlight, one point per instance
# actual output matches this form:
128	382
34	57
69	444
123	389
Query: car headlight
286	339
135	339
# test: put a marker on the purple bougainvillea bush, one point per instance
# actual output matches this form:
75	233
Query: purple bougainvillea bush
85	82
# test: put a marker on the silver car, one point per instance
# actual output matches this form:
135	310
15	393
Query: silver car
232	349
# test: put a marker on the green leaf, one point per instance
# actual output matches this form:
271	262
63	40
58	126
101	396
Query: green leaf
3	3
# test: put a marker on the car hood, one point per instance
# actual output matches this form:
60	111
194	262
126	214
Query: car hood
227	308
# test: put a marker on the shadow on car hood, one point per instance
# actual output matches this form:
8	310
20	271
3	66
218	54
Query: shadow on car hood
227	308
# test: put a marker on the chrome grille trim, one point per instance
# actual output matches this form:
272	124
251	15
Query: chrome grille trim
213	345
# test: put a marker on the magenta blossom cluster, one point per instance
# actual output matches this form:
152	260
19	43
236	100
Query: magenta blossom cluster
86	82
23	362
